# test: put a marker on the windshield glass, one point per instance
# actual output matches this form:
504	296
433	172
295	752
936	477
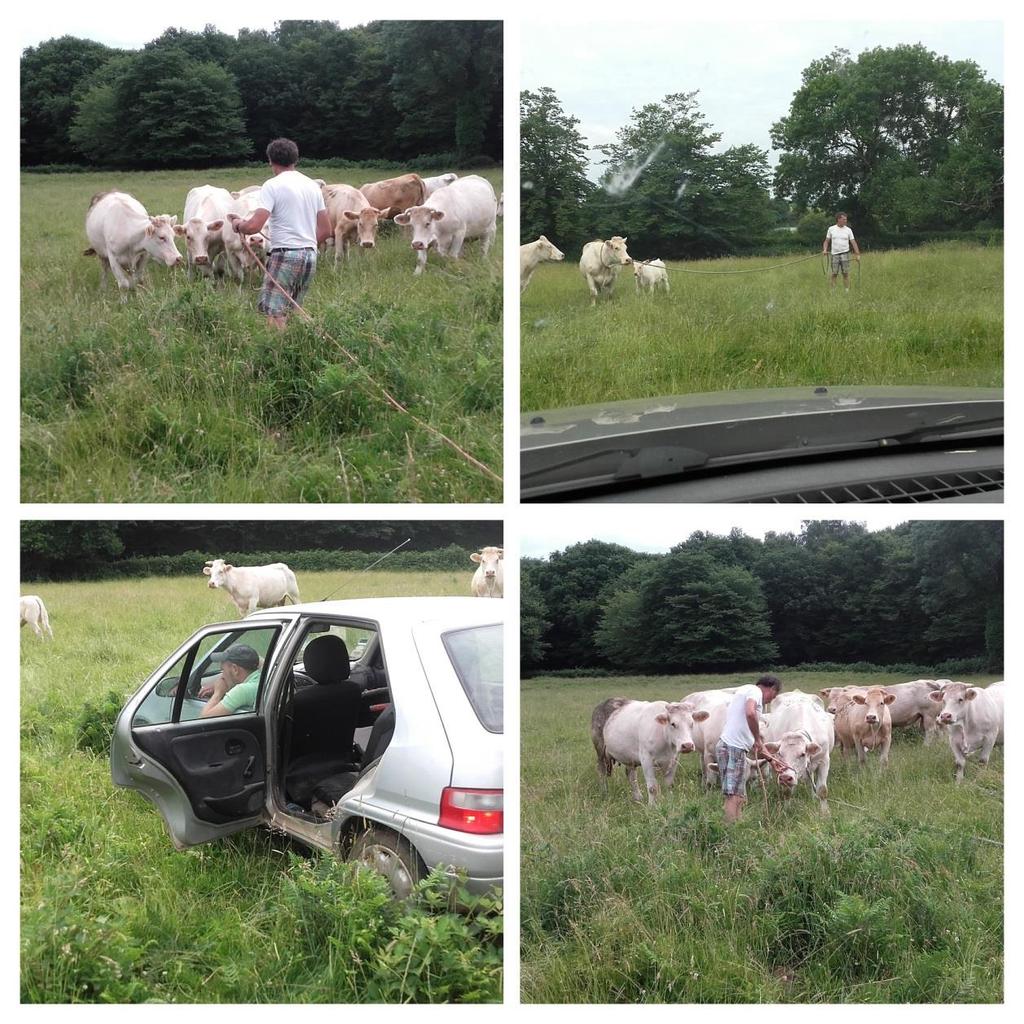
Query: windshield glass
694	242
476	654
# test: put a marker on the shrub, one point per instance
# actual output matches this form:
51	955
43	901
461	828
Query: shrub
95	725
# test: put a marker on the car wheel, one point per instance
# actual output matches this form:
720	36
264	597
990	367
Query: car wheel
391	856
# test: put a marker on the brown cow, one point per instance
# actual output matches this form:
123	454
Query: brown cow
395	195
352	217
863	721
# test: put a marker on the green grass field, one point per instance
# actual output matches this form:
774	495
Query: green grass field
183	394
896	897
917	316
111	912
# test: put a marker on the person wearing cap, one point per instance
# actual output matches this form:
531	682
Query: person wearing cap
236	687
742	732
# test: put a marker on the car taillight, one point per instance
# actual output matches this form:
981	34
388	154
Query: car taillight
481	811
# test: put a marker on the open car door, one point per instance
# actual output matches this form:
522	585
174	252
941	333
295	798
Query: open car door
207	776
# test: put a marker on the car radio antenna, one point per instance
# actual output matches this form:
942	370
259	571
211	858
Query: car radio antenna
369	567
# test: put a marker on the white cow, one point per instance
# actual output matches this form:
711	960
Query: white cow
801	733
645	733
532	255
707	733
456	213
489	578
431	185
600	264
973	718
649	275
122	235
206	210
33	613
253	586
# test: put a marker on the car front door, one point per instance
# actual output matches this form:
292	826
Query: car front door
206	775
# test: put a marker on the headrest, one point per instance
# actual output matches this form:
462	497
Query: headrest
326	659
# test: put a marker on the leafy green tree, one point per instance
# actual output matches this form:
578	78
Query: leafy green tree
533	623
900	136
686	612
52	75
672	195
553	164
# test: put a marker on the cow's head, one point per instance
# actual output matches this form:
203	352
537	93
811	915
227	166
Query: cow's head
198	234
218	571
422	220
488	559
548	251
955	700
797	751
614	252
837	697
159	239
677	721
366	224
873	700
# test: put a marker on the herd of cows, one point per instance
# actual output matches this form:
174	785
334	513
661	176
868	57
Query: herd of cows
440	213
600	265
267	586
800	730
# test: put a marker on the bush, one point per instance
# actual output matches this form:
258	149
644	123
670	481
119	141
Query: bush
95	725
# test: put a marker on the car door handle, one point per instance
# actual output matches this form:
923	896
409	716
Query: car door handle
249	766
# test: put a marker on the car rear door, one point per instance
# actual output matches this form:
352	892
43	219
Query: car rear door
207	776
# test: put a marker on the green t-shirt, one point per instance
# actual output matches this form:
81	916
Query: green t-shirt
243	696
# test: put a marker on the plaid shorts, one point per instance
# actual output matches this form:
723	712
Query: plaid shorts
293	269
732	769
841	262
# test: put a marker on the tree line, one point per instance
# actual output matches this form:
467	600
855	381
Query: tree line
907	142
384	91
922	593
84	549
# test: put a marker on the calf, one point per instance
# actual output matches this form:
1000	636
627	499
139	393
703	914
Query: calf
641	733
33	613
254	586
464	210
649	275
973	718
123	235
532	255
862	722
600	264
489	578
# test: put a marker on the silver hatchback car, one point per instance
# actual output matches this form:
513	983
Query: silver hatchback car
391	754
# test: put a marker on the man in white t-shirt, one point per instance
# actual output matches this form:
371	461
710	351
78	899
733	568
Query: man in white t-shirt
838	240
294	205
741	733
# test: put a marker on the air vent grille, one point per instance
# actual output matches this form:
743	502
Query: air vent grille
905	490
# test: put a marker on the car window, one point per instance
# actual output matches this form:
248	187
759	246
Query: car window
198	673
476	654
357	639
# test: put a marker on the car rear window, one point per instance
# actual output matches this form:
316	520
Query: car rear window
476	654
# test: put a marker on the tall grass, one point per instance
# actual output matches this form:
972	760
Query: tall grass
111	912
916	316
897	897
183	394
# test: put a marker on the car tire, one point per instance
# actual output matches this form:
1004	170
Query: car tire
391	856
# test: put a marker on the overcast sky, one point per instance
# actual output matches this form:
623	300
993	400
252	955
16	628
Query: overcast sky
747	73
660	527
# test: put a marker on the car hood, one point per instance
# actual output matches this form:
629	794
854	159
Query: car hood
586	446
